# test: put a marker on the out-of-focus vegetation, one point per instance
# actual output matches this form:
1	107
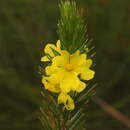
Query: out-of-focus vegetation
25	27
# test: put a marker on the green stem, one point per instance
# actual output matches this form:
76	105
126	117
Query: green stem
62	123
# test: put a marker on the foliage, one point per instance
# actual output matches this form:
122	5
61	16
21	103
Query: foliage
71	27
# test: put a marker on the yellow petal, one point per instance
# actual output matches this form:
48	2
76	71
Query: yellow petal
51	70
66	100
58	44
77	58
84	68
48	49
70	82
49	86
81	87
56	77
44	59
88	63
61	61
87	74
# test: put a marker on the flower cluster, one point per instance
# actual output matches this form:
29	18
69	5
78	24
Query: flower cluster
65	73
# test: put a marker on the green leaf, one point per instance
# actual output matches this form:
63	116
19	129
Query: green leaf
84	95
71	27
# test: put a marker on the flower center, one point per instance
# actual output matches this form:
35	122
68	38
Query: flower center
69	67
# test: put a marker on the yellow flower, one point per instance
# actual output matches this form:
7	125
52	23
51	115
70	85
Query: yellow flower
66	72
66	68
49	50
66	100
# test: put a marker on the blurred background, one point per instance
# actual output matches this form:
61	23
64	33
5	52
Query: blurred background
27	25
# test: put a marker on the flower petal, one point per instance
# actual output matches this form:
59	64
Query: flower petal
66	100
81	87
56	77
87	74
69	82
62	60
49	86
84	68
77	58
58	45
89	63
48	49
44	59
51	70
